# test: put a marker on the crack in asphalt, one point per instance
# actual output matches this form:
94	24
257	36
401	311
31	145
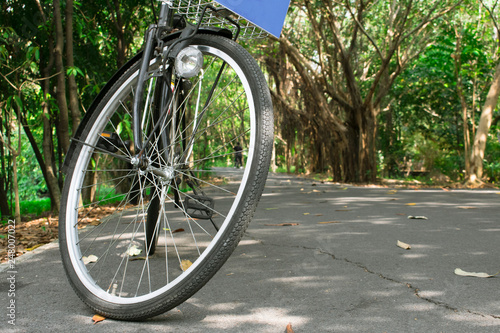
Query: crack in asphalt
415	290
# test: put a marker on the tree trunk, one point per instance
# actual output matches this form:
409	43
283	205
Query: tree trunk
273	159
4	201
121	46
483	129
47	146
15	154
63	126
73	91
47	162
390	165
463	103
48	153
288	156
350	156
370	144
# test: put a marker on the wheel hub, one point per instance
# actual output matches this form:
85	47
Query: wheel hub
166	174
140	162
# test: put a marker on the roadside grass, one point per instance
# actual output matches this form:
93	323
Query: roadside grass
30	209
35	207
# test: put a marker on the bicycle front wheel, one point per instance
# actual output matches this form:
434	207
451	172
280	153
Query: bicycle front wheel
166	224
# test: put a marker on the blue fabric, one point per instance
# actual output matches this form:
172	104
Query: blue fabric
268	15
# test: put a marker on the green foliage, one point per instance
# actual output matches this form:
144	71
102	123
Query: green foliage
427	113
30	208
32	187
26	44
35	207
74	71
492	157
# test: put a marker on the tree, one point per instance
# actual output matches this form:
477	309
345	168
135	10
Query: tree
356	52
63	123
479	147
72	87
75	56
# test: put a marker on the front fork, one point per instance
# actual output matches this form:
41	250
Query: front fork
152	38
154	46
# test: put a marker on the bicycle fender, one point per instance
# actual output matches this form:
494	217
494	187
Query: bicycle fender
88	115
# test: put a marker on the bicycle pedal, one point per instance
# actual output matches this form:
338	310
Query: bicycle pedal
199	207
111	142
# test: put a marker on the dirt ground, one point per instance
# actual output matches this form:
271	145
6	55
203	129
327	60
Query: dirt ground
30	235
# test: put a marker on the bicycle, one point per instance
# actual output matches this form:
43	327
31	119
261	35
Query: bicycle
152	151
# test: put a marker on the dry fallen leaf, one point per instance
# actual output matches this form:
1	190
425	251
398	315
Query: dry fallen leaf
133	251
466	207
272	208
281	225
403	245
89	259
461	272
318	214
185	264
289	328
306	213
411	204
417	217
33	247
97	318
392	192
178	230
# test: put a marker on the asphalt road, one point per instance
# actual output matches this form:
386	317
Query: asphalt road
344	276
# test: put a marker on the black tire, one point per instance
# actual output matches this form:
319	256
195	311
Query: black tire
216	204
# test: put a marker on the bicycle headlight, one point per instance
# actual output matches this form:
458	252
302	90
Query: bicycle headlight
188	62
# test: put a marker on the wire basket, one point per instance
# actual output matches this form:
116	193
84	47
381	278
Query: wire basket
192	10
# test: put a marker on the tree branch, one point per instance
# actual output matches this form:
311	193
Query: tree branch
493	19
364	31
428	19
